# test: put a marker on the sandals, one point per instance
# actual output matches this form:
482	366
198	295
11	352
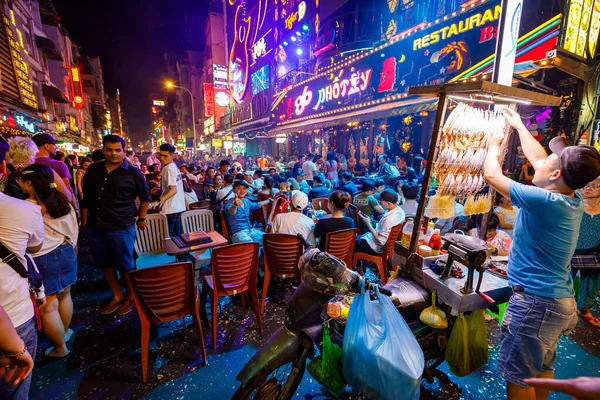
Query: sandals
51	353
68	335
125	308
589	318
111	307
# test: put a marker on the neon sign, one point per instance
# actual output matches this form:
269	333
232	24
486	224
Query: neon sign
289	21
472	22
159	103
76	87
583	26
220	76
209	97
16	121
222	98
340	88
28	126
357	82
259	49
301	10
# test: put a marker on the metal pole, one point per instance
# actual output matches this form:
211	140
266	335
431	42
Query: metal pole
440	116
193	125
193	116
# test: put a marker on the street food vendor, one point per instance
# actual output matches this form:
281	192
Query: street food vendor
542	307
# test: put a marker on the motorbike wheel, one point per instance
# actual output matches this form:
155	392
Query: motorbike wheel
279	383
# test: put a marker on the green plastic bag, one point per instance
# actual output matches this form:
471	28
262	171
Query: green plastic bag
327	368
478	345
458	355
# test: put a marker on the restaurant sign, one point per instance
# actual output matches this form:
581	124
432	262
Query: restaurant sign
428	56
452	48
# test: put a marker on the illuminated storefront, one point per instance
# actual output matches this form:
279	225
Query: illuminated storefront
359	104
16	124
250	71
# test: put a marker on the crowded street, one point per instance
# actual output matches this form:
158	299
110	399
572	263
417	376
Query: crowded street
318	199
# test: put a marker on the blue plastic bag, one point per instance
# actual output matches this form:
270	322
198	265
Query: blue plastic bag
380	355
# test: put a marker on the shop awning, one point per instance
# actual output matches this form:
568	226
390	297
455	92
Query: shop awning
245	127
48	47
408	105
54	93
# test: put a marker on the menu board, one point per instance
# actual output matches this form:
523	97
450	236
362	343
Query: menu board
583	26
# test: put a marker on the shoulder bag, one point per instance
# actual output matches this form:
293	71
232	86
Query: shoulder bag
30	272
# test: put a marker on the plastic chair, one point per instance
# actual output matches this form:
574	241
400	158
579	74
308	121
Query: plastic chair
198	220
162	294
352	212
341	244
224	226
149	244
320	201
234	270
281	253
381	260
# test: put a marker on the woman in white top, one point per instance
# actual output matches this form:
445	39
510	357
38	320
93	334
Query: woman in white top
507	213
56	260
331	170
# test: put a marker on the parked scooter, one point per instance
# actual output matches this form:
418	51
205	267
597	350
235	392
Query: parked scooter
278	367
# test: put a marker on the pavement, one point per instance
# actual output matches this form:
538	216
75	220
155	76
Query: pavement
105	358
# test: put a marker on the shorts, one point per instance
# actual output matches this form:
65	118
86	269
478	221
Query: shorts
28	333
248	236
112	249
531	329
59	268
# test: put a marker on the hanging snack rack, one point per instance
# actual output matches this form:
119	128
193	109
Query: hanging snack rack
458	146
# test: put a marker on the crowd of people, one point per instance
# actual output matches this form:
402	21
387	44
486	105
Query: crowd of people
47	198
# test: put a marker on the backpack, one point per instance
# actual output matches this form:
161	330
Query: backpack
395	173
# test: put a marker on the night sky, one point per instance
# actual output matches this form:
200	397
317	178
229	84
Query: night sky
130	36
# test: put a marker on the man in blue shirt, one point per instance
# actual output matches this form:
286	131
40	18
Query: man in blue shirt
349	186
238	213
542	307
318	190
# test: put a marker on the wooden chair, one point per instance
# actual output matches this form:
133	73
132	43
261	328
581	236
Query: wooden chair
281	254
162	294
322	201
341	244
234	271
224	226
352	212
381	260
149	244
198	220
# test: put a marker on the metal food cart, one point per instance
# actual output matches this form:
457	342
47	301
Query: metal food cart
480	92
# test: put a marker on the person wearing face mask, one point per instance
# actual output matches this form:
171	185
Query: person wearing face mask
587	254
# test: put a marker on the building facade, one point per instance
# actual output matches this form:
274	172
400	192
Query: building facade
47	85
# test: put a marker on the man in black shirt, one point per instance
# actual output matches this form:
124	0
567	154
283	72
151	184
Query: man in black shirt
108	215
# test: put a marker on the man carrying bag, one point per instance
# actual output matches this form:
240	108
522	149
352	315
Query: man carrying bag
22	228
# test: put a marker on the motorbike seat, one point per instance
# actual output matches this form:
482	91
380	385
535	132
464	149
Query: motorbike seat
409	298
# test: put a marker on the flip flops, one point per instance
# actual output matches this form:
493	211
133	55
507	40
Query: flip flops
49	353
125	308
590	319
68	335
111	307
